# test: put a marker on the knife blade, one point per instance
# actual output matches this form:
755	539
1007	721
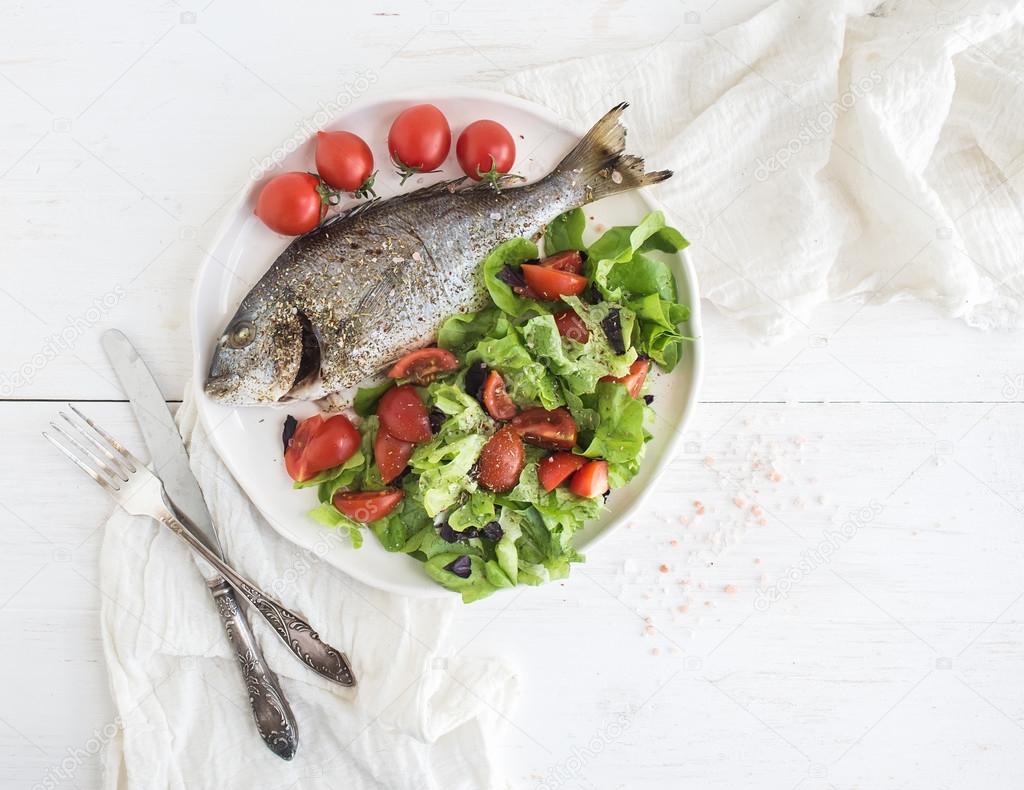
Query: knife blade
169	460
168	456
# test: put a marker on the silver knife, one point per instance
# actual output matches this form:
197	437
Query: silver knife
270	709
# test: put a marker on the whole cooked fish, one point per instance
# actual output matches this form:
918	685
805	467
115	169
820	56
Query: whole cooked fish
349	298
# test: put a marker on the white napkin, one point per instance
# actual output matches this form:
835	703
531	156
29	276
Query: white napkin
829	149
417	719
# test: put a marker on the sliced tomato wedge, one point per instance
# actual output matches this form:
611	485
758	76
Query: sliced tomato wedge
555	429
591	480
320	444
565	261
497	402
501	461
552	284
634	380
403	415
571	326
556	468
391	454
366	506
423	365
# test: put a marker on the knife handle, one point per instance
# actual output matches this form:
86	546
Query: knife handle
296	633
274	718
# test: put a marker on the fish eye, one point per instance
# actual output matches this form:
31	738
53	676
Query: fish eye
241	334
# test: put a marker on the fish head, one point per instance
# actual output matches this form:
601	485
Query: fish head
259	356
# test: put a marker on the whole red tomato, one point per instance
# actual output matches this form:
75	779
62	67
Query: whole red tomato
419	140
344	161
485	150
291	203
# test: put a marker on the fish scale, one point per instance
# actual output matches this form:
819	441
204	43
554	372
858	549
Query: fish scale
377	282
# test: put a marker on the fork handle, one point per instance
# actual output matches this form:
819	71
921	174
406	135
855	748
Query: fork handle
271	712
295	632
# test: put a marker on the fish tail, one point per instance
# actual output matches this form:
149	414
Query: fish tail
601	160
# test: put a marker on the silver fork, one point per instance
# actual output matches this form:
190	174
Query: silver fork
139	492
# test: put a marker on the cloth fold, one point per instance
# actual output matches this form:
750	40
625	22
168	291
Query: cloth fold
419	718
829	150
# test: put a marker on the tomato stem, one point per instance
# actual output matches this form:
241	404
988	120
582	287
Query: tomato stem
408	171
494	177
366	188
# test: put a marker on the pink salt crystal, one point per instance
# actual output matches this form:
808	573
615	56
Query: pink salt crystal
761	522
709	461
701	586
673	542
738	501
699	507
663	568
775	476
757	510
684	520
757	560
731	589
655	651
683	607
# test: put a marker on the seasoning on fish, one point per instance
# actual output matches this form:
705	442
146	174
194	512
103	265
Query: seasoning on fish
347	300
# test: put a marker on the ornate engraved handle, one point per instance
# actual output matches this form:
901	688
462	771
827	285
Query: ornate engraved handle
295	632
270	709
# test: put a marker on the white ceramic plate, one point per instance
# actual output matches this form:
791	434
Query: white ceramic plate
249	439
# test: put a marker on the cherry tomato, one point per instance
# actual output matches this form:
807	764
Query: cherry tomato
591	480
391	454
291	204
571	326
497	402
423	365
366	506
556	467
501	461
634	380
403	415
551	284
320	444
555	430
345	162
419	140
566	261
485	150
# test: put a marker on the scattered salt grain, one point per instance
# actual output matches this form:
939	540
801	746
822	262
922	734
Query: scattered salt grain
663	568
739	502
775	476
757	510
417	257
495	215
699	507
683	607
673	543
731	589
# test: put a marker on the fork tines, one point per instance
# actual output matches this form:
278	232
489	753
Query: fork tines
91	442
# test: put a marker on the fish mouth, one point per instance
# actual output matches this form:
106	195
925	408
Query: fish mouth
222	388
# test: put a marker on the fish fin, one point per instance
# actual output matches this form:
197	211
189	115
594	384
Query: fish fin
601	160
348	213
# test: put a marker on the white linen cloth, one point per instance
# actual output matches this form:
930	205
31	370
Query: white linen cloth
417	719
826	149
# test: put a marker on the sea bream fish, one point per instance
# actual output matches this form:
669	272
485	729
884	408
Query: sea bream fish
346	300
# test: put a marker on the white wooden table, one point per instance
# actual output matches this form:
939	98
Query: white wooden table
846	612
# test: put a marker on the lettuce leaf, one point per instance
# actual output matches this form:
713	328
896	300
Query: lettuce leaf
565	232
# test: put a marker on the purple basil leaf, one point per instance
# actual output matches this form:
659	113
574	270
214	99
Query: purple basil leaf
612	327
290	424
460	566
492	531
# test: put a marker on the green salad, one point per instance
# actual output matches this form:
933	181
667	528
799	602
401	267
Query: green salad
534	409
